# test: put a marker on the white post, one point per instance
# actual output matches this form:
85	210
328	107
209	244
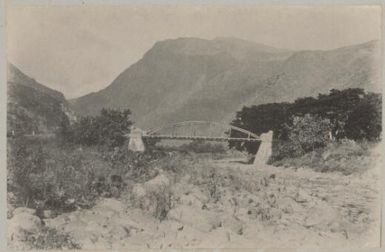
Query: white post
135	142
265	149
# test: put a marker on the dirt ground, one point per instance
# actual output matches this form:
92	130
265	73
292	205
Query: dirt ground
268	207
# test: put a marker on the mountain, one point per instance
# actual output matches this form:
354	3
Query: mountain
197	79
33	107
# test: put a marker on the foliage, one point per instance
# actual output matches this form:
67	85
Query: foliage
304	134
345	156
309	132
259	119
351	113
364	122
45	174
108	128
50	238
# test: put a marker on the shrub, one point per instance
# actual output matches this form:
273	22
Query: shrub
304	134
47	175
108	129
365	121
309	132
345	156
351	113
50	238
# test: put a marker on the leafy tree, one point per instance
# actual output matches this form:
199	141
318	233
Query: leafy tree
349	113
259	119
107	129
364	122
309	132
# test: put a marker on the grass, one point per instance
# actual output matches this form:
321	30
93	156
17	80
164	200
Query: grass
50	238
345	156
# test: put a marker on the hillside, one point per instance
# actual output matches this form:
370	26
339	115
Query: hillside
197	79
33	107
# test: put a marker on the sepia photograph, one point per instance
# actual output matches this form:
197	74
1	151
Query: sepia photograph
193	126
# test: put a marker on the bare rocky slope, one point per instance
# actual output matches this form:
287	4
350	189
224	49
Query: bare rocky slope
198	79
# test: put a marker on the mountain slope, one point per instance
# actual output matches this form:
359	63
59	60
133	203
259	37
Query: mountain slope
197	79
33	107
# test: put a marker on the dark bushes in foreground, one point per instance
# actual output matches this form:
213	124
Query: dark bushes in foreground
44	174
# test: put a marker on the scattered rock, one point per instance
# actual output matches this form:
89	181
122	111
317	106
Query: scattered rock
302	197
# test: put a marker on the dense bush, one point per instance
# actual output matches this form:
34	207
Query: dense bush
43	174
259	119
50	238
304	134
349	113
109	129
365	121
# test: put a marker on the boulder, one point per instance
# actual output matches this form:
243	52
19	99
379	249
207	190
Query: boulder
181	189
199	219
157	184
302	196
190	200
321	215
23	222
48	214
110	204
20	210
138	191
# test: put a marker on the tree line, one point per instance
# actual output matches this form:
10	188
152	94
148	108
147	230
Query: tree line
311	122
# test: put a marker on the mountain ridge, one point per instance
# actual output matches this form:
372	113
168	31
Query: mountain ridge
193	78
33	107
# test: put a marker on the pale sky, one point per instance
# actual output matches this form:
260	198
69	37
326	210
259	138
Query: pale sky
78	49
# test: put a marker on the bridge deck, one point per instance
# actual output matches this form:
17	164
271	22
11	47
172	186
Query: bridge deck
219	139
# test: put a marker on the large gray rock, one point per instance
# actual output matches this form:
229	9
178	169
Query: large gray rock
20	210
157	184
199	219
23	222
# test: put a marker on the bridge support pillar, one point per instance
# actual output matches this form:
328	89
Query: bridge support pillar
265	149
135	142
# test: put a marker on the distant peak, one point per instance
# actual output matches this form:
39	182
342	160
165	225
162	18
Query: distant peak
236	47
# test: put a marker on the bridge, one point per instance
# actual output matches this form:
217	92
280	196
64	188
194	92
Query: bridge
201	130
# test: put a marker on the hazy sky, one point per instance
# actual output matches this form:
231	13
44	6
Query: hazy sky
77	50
